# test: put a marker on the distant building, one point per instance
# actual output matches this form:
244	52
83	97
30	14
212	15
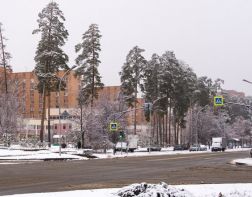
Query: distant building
31	103
232	93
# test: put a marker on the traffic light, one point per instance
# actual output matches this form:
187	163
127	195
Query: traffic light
121	135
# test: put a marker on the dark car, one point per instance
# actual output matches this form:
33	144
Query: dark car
250	152
178	147
181	147
154	148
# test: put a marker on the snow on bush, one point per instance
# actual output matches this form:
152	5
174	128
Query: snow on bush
152	190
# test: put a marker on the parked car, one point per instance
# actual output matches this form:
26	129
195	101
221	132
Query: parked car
178	147
198	147
154	148
194	147
251	152
203	147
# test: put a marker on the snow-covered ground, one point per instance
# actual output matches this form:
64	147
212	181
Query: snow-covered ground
207	190
245	161
212	190
16	153
13	154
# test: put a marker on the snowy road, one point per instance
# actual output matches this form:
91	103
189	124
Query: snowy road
104	173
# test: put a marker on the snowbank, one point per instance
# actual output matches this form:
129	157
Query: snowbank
159	190
246	161
155	190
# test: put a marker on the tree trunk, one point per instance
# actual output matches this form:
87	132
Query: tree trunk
81	122
164	133
49	123
169	123
160	131
166	127
43	115
135	103
175	131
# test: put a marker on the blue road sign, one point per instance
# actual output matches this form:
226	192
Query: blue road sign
113	126
218	101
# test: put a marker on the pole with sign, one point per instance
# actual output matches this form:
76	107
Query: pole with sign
218	101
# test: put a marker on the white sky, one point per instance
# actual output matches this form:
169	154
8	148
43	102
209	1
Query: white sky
213	36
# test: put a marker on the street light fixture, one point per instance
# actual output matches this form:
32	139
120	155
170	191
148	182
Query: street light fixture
245	80
61	79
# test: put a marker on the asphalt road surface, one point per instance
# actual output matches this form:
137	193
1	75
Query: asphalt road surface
53	176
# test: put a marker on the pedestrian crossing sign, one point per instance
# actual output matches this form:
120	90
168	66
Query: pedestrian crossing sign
218	101
113	126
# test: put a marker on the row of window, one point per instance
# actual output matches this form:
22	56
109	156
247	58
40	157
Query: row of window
64	126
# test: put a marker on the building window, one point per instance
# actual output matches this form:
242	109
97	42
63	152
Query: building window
64	126
55	127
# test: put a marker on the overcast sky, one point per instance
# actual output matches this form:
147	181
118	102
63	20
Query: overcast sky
213	36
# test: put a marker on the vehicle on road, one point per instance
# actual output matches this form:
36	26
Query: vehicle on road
132	142
121	146
219	144
203	147
194	147
180	147
198	147
154	148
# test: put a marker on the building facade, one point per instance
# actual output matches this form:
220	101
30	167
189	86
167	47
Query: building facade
31	102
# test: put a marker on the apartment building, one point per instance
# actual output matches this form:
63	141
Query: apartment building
31	103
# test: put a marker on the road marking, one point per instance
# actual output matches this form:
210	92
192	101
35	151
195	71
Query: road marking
185	157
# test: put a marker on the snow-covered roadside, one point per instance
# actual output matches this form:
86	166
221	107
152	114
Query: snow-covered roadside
245	161
208	190
165	151
52	153
10	154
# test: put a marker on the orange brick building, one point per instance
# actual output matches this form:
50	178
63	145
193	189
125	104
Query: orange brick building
31	102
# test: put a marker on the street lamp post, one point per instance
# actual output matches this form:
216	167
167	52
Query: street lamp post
247	81
61	79
192	101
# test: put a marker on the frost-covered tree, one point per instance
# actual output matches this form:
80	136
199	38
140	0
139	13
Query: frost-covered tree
87	71
88	62
9	117
151	80
50	57
4	61
98	120
131	77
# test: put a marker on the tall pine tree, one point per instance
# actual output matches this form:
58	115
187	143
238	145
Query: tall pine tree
4	60
50	58
131	76
88	63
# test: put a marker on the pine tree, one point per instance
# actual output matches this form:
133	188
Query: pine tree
131	76
50	58
4	59
88	63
